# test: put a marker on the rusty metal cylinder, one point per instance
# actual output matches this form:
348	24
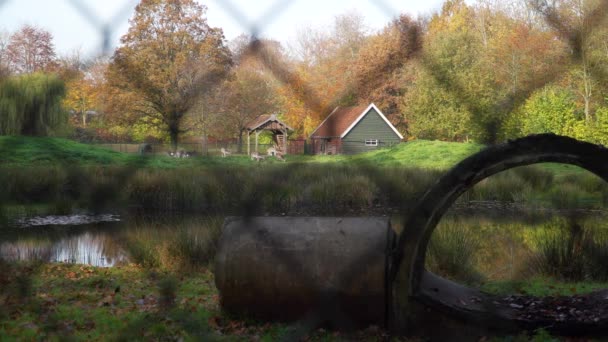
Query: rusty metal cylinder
328	269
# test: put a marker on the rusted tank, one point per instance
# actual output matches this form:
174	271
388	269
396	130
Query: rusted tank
325	269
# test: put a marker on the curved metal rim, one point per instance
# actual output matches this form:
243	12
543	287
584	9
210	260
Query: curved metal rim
410	253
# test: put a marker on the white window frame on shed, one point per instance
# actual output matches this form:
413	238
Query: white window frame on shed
371	142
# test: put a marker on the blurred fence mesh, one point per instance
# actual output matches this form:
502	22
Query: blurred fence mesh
106	29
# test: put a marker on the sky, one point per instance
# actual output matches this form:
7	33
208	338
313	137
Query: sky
72	29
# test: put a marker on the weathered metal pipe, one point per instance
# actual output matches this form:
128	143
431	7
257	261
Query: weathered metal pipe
330	269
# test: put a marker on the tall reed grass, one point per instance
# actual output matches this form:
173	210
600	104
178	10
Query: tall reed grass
571	250
452	252
189	245
277	189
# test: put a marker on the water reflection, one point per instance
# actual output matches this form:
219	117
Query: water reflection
96	249
106	240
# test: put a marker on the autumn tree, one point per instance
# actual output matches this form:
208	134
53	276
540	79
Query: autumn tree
451	89
589	65
581	24
382	74
81	97
484	61
30	50
322	75
70	65
250	90
169	56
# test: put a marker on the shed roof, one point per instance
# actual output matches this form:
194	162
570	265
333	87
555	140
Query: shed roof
338	121
343	119
262	120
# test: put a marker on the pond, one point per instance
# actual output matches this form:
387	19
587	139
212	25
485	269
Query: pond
102	240
475	243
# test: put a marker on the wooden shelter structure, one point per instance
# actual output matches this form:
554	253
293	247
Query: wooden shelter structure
268	122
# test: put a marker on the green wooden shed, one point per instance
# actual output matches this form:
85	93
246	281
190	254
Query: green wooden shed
350	130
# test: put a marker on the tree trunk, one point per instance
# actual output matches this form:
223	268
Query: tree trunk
587	92
174	129
240	141
174	135
204	143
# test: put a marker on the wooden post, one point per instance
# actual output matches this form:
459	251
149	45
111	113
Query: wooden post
248	143
285	141
257	134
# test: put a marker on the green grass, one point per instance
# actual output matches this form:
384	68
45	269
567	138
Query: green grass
542	287
130	303
421	154
424	154
33	151
26	151
19	151
73	302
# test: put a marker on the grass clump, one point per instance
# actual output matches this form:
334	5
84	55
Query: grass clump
570	250
189	246
452	253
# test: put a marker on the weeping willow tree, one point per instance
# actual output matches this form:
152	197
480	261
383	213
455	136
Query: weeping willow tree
31	105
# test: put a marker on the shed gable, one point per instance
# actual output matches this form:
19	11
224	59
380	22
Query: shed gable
371	127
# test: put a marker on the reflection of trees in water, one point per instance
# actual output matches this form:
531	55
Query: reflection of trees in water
26	250
97	249
93	249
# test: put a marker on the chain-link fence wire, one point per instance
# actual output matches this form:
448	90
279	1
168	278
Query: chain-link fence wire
410	43
256	26
104	28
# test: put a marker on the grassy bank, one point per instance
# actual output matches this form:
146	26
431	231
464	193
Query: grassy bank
70	302
68	175
22	152
129	303
60	302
